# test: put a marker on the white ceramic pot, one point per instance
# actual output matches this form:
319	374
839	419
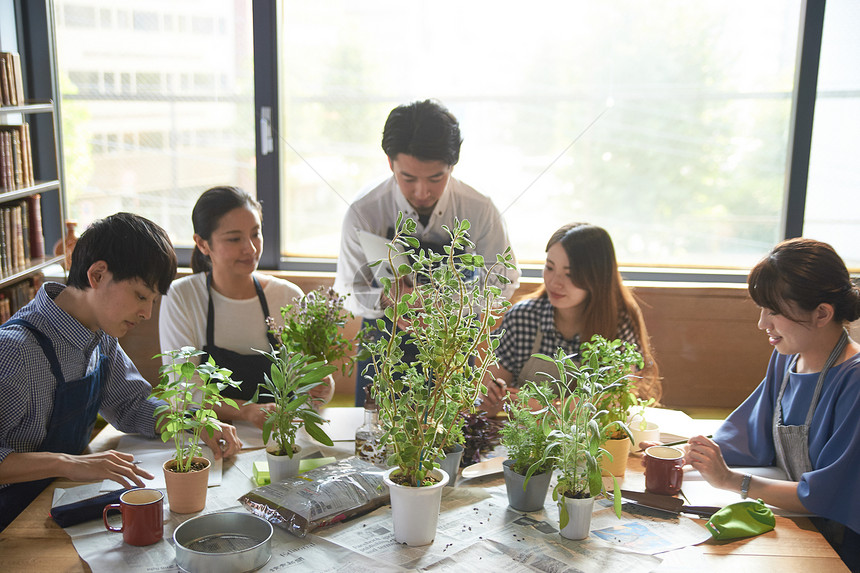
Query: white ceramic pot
651	433
415	510
579	517
283	467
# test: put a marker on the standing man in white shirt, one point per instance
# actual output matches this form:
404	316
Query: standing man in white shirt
422	141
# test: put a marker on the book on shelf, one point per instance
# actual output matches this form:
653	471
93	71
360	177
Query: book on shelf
12	84
37	238
18	242
16	157
4	241
14	297
4	82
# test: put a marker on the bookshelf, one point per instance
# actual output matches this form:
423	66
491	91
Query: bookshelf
32	198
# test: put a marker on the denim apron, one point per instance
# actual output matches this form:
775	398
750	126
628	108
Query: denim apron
792	442
247	368
76	405
792	456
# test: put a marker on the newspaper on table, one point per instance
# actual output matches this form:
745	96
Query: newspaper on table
324	496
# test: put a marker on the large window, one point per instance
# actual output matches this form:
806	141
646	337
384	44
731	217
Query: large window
664	121
832	211
668	122
157	105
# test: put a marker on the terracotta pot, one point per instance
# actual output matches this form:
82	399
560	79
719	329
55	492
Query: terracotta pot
283	467
533	497
578	517
415	510
186	491
620	450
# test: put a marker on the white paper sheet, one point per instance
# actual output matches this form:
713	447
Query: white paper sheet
699	492
152	454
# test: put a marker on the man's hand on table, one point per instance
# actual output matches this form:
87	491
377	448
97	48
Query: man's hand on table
223	442
112	465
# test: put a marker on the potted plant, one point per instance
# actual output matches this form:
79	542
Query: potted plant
292	376
452	313
642	429
313	326
526	437
615	360
190	392
577	432
453	454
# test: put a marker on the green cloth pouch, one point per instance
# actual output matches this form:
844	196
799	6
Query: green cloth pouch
741	519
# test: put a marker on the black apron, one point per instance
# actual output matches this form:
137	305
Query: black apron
247	368
73	417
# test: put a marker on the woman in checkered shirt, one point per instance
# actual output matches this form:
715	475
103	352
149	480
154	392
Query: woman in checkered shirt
582	295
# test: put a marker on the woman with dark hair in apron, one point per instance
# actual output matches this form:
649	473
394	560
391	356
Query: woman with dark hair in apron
803	417
582	295
222	307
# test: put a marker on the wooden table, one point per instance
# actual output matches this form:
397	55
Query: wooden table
34	543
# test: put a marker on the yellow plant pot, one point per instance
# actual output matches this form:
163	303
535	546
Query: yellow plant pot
620	450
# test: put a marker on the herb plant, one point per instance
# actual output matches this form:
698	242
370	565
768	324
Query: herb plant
526	434
314	327
291	377
188	412
481	434
452	314
615	360
577	426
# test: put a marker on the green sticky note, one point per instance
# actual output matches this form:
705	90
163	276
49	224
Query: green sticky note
261	473
312	463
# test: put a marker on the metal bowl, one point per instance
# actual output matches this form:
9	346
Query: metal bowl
223	542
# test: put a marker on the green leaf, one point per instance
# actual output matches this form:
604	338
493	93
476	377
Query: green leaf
318	434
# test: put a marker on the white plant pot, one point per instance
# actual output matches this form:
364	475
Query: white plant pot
651	433
415	510
579	517
283	467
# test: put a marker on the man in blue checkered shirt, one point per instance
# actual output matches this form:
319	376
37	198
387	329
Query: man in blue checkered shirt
61	364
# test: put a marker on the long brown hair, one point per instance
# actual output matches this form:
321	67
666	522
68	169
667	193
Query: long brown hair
593	268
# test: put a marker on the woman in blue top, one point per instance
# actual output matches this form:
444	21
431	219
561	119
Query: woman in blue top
804	416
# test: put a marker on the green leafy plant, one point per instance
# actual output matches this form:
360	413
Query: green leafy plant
639	416
292	375
575	424
314	327
188	412
525	435
615	360
452	313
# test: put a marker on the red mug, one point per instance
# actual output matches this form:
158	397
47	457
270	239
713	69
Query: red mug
142	516
663	470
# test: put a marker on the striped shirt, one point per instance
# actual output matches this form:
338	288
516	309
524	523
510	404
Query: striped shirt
521	324
27	385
